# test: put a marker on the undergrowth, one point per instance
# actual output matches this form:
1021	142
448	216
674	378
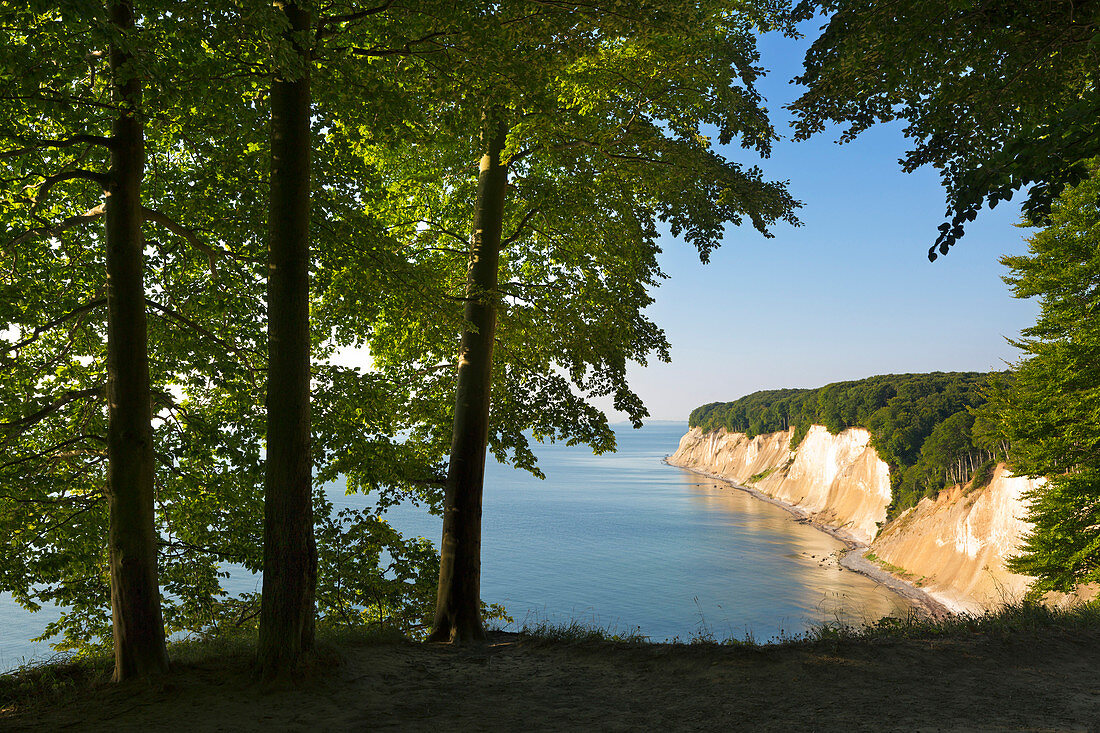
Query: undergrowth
62	678
1015	619
577	632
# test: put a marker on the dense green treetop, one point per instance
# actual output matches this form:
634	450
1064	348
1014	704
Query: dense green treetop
205	186
920	424
1049	411
998	95
54	155
606	138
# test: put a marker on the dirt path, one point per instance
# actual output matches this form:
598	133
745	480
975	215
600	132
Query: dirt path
1045	681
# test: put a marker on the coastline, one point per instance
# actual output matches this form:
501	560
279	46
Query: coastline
853	559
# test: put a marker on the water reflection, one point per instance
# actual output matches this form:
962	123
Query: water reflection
624	542
796	555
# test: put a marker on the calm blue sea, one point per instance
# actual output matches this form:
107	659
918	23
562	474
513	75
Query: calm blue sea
626	543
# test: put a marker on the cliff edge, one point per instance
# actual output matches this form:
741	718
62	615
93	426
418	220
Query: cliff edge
953	547
837	480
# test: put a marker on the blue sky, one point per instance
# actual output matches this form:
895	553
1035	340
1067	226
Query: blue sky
850	293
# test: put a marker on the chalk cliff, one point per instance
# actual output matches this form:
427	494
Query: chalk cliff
953	547
838	480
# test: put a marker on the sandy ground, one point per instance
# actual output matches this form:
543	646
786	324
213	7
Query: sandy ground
1038	681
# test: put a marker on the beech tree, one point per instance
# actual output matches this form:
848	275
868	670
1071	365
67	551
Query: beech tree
589	127
385	104
75	115
998	96
205	204
290	553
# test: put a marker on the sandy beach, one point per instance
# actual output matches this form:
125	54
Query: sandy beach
854	559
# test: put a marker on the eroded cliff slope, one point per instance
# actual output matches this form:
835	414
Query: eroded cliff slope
838	480
953	547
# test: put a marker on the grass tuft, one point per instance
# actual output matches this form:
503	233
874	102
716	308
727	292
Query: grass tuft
1021	618
52	681
576	632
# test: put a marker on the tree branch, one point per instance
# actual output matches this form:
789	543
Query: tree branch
519	228
39	330
25	423
75	174
405	50
323	24
52	451
189	235
66	224
432	225
66	143
184	320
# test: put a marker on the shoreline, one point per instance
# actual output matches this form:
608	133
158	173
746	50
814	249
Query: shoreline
853	559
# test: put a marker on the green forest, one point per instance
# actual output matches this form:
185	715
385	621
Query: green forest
203	203
921	425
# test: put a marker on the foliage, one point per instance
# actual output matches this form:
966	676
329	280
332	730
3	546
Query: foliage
1049	412
205	182
607	113
611	137
368	574
920	424
997	95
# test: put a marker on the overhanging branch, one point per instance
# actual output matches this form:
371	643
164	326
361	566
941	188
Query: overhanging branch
184	320
324	25
23	424
77	174
39	330
64	225
31	146
519	228
187	234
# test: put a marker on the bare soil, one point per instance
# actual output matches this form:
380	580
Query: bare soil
1035	681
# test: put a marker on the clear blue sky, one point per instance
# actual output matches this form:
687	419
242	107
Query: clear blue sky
850	293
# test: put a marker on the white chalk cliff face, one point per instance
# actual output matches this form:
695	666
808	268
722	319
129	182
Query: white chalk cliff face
838	480
953	547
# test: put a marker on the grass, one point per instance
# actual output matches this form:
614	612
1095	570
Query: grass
1015	620
887	566
53	682
577	632
1012	620
762	475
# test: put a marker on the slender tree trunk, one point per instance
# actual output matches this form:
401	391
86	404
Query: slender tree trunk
290	553
135	593
458	603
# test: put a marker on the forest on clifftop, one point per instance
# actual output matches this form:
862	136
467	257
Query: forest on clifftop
922	425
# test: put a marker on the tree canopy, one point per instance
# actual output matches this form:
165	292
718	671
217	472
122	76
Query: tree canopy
920	424
1049	410
998	96
609	135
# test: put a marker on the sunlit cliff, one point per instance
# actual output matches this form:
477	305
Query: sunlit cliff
954	547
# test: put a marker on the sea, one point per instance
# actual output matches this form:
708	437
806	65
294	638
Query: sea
626	543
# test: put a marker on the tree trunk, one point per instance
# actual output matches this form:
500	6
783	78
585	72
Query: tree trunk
135	594
458	603
290	553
